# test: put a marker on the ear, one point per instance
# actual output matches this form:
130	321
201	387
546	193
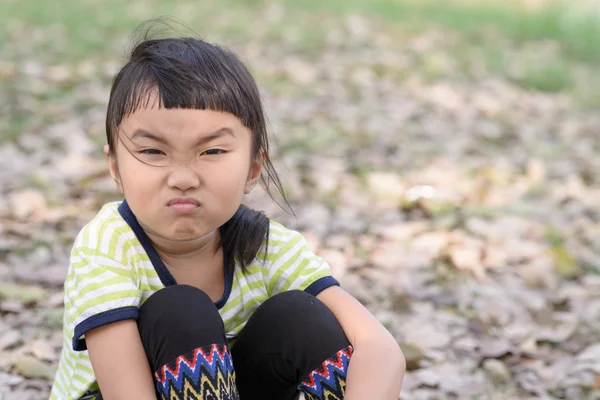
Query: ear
113	167
255	170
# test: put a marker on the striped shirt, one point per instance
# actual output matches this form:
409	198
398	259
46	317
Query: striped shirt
114	268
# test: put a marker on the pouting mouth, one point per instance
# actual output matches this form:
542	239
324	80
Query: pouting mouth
183	200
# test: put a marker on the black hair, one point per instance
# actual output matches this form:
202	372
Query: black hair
187	72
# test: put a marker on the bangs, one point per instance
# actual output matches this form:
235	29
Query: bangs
184	73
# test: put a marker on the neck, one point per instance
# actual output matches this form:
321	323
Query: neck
177	251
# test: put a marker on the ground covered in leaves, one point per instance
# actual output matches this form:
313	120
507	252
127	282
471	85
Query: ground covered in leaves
456	202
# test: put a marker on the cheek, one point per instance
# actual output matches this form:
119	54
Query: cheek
136	180
230	177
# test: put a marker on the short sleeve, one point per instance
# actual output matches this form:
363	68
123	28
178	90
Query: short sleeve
295	266
98	291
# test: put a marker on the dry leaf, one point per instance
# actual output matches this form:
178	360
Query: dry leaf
27	203
42	350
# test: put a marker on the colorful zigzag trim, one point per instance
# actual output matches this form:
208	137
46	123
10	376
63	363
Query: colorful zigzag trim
205	373
328	381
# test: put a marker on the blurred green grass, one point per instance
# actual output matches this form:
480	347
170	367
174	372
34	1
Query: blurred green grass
574	25
88	23
71	32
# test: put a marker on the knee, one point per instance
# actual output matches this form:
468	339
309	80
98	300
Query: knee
301	313
292	304
295	325
176	320
178	306
290	299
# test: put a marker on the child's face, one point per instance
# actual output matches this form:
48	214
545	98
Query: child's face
216	173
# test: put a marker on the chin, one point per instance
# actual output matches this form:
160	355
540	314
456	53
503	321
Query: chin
186	235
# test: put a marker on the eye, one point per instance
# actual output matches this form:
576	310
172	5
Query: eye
151	152
212	152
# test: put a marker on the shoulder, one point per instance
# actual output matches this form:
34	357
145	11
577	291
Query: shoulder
282	239
284	244
106	233
292	265
278	231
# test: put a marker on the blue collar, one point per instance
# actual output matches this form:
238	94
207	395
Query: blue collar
161	269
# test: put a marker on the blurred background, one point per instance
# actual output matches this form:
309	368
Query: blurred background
442	156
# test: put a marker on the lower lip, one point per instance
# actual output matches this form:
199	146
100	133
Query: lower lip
183	208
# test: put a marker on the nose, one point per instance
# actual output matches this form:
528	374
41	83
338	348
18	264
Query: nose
183	179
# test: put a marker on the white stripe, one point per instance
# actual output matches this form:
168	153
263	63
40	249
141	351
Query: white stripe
121	242
80	372
75	302
244	314
275	249
293	252
226	317
278	232
106	306
252	278
246	298
94	261
287	273
92	229
75	294
59	382
78	285
234	296
109	231
134	250
279	236
78	240
155	282
304	277
151	281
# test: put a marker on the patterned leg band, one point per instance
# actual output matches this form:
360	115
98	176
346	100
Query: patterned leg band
205	373
328	381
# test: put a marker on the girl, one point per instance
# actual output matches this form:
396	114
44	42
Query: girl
180	291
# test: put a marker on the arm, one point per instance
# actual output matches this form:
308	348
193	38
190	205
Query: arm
377	365
119	361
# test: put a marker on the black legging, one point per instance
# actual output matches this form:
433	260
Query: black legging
289	339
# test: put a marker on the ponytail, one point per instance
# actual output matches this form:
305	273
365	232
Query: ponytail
242	236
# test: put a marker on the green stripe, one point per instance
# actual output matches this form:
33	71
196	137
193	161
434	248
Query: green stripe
145	287
232	302
299	271
248	288
97	301
252	269
99	270
273	242
95	252
81	379
272	257
85	368
102	229
255	285
137	257
128	245
140	258
273	281
286	246
85	236
112	246
91	286
68	362
58	382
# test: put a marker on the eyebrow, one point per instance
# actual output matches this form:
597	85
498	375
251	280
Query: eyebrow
205	139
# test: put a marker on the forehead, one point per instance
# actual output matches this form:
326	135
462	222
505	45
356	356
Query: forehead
182	124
